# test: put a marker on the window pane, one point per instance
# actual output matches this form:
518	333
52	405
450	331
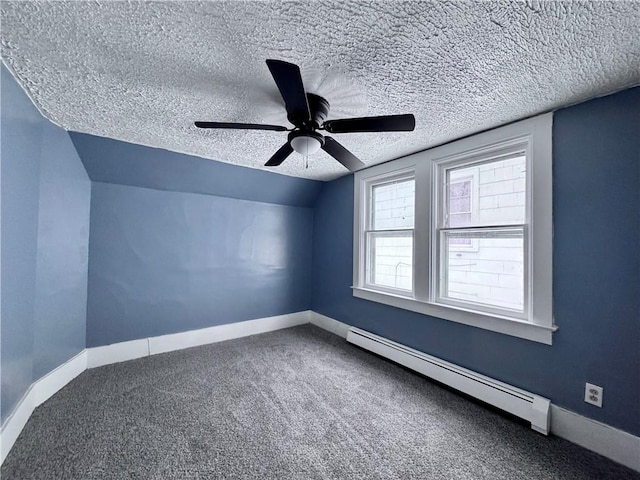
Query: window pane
390	262
492	193
460	206
392	205
491	274
460	196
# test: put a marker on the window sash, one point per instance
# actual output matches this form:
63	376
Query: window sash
441	228
443	182
367	267
393	179
370	267
442	274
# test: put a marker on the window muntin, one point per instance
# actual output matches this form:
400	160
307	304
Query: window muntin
389	234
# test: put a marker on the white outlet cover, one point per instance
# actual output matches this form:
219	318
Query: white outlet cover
593	394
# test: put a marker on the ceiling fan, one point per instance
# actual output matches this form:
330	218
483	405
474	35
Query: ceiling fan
308	113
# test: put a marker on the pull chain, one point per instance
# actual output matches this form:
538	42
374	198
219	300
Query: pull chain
306	156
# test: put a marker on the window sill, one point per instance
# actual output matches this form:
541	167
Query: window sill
507	326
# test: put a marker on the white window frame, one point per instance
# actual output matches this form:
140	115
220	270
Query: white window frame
537	322
373	181
440	166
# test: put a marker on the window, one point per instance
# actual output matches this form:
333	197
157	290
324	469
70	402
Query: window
389	234
462	231
491	276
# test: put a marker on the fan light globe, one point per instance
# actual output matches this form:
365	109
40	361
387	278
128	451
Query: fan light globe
305	144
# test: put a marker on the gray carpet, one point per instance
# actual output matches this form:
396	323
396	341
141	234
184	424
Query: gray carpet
299	403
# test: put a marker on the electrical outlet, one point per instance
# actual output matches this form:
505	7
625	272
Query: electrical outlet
593	394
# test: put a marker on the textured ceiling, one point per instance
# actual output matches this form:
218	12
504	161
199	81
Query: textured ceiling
144	71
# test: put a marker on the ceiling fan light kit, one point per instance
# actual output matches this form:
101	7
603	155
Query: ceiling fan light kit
306	143
308	113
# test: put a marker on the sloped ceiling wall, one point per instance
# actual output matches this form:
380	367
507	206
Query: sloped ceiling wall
113	161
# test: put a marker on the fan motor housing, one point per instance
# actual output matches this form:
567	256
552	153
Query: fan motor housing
319	108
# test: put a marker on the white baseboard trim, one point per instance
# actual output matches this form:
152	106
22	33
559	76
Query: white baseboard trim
229	331
39	392
117	352
329	324
610	442
45	387
615	444
123	351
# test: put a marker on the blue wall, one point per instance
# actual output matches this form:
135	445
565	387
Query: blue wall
21	126
164	262
113	161
45	217
63	253
596	274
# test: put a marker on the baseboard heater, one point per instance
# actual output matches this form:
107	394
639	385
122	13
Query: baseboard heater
518	402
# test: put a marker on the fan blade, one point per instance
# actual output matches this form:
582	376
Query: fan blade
388	123
341	154
289	81
241	126
279	156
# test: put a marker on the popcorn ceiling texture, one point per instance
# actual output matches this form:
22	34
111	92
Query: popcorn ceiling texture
143	72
